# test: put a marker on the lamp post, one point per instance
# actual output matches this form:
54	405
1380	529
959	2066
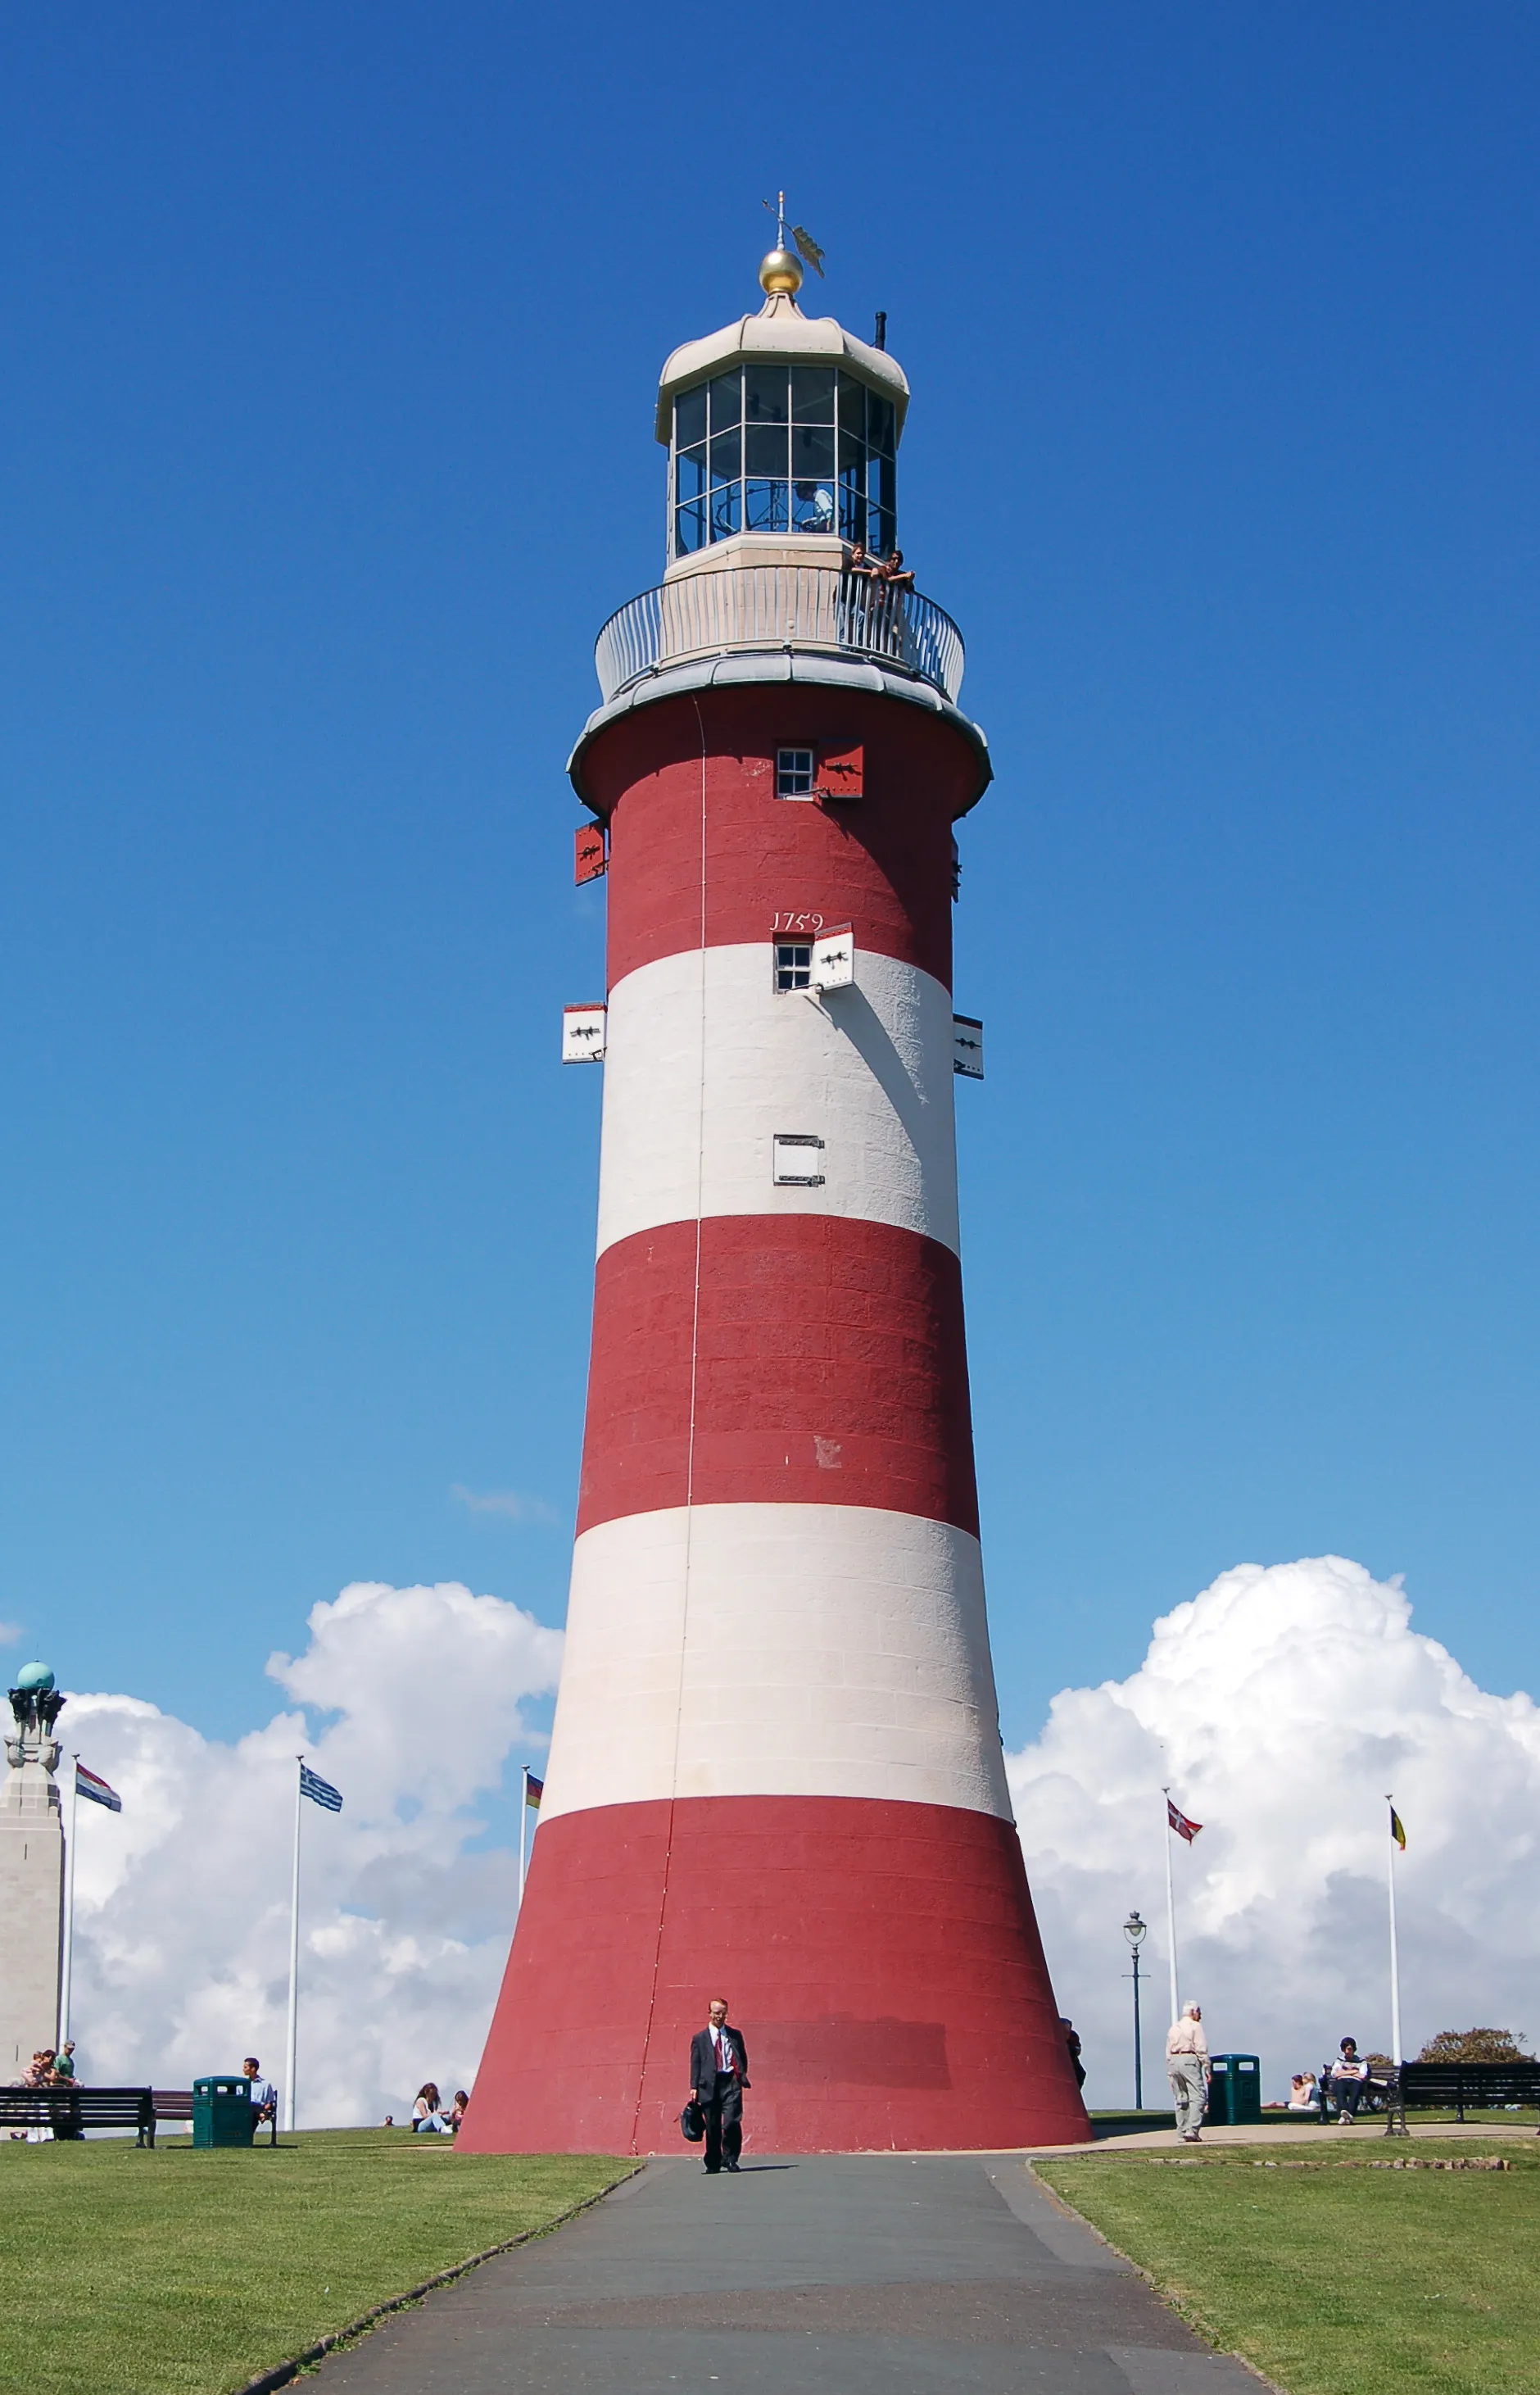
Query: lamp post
1134	1929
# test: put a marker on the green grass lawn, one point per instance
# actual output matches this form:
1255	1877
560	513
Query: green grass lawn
127	2272
1333	2278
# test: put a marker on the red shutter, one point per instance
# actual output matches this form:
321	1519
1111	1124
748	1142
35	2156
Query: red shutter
842	771
589	846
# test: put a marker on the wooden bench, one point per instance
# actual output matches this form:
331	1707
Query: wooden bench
176	2104
70	2111
1485	2086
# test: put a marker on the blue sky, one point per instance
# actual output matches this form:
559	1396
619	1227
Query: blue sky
330	342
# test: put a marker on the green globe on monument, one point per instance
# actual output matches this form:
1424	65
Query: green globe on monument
34	1676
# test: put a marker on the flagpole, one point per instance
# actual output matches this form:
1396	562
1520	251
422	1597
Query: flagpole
1170	1911
1396	2055
67	1965
294	1959
524	1833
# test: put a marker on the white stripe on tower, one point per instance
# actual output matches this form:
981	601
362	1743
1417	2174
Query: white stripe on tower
833	1651
706	1061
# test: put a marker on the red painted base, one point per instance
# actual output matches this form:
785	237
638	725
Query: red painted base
881	1959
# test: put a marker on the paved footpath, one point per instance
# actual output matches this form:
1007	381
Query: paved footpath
834	2275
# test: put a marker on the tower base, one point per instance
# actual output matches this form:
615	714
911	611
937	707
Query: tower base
881	1959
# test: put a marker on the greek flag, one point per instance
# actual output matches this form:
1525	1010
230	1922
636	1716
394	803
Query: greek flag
319	1792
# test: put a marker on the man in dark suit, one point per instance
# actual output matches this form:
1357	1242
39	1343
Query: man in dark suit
719	2074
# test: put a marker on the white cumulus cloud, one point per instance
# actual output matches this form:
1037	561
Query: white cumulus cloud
181	1920
1281	1706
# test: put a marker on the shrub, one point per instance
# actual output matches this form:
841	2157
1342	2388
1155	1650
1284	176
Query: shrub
1475	2045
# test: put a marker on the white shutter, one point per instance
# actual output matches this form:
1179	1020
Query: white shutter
833	965
967	1046
583	1034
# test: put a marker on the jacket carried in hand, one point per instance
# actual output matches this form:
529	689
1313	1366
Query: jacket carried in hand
703	2056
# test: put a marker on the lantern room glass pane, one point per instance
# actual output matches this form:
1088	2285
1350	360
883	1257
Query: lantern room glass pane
813	506
689	529
726	510
727	457
765	390
690	418
812	395
879	423
766	506
690	474
727	402
813	451
852	408
766	450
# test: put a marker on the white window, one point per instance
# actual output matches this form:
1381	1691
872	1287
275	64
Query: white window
794	773
798	1156
793	964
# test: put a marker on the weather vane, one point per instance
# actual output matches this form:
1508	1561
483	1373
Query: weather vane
808	250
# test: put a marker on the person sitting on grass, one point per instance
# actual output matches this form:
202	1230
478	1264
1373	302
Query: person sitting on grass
425	2113
1304	2093
457	2110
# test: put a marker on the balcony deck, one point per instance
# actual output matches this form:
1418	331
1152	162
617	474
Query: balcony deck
813	607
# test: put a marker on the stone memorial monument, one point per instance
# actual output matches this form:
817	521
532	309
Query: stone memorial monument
31	1873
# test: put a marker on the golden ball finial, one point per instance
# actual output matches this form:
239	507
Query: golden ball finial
780	271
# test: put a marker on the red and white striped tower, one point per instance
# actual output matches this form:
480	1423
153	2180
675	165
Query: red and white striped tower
776	1769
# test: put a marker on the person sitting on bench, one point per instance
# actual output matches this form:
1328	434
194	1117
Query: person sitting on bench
1348	2078
264	2094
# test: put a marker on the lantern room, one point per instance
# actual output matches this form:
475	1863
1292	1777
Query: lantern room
783	435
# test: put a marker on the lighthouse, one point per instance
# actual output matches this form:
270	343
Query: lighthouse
776	1771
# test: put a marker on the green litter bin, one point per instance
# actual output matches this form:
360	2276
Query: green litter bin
223	2113
1234	2092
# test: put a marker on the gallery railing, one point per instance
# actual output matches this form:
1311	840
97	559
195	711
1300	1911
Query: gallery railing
725	608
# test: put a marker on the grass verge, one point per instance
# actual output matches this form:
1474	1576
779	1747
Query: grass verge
137	2273
1332	2276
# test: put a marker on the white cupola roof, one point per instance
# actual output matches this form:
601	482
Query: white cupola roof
781	331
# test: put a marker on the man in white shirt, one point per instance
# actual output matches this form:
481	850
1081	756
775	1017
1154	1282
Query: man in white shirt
719	2074
1187	2068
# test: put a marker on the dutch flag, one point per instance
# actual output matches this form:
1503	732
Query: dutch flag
90	1783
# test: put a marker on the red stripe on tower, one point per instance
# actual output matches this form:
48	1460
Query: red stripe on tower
776	1769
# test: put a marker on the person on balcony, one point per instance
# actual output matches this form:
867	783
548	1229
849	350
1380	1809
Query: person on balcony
893	574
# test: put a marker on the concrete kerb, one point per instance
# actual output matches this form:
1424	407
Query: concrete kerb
281	2374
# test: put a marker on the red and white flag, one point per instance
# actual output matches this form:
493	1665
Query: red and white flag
91	1784
1179	1822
